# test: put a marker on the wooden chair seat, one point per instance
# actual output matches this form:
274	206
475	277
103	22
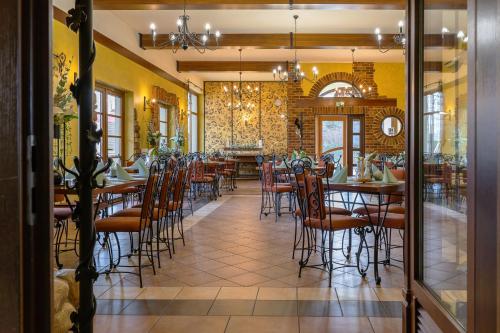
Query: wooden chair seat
392	220
205	179
62	213
338	222
396	209
119	224
332	210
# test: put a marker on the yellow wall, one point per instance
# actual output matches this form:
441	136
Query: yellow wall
390	78
119	72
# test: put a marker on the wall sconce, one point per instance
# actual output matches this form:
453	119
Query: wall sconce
149	103
246	118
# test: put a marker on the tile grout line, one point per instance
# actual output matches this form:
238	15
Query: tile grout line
338	300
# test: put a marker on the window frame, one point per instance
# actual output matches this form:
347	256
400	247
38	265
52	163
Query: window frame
106	91
192	115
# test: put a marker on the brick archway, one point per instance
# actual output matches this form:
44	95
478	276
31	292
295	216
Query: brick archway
340	76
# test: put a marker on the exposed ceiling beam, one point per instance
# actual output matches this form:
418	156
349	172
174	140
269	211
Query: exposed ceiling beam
303	41
267	66
270	4
228	66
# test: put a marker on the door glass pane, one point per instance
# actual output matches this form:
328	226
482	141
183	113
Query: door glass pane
356	126
444	166
163	114
332	134
356	141
114	105
114	126
114	147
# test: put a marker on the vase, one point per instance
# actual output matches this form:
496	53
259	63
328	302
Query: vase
57	131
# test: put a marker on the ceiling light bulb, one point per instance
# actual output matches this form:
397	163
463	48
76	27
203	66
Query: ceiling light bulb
377	31
315	69
152	26
217	34
302	74
179	22
401	24
274	71
204	38
379	37
279	68
466	39
444	30
297	66
207	27
172	37
460	34
286	73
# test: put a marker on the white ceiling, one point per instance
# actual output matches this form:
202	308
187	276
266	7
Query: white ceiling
268	21
123	26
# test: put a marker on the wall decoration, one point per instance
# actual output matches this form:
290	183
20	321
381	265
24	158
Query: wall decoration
247	127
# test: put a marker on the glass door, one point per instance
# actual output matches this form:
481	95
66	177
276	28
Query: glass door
331	137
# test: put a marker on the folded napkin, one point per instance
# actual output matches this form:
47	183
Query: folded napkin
100	178
377	174
340	176
121	173
140	165
389	177
70	176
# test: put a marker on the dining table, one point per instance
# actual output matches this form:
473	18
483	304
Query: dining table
382	193
112	185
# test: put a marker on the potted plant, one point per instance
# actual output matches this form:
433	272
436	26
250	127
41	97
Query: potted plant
153	140
62	99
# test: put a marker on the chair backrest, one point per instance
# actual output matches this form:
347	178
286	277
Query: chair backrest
198	169
178	189
148	201
166	181
315	197
267	174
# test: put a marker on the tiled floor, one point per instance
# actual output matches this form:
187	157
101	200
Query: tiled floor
236	274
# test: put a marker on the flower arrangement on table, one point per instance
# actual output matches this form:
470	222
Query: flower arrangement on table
63	99
178	139
153	139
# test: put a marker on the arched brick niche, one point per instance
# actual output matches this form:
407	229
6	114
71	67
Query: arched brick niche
357	80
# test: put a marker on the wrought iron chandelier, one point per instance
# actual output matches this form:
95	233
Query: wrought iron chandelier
296	74
184	38
399	39
238	91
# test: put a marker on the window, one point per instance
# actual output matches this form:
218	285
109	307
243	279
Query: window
340	89
356	143
110	119
163	126
433	123
193	122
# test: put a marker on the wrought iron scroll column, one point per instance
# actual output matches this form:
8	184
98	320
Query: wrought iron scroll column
80	21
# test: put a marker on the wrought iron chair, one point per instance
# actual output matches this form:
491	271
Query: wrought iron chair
317	217
141	225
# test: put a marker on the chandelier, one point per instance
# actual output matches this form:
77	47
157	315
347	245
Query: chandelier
184	38
296	74
399	39
239	91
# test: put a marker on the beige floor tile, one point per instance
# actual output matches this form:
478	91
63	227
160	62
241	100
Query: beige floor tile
248	279
159	292
227	271
234	293
335	325
277	294
273	284
119	292
187	324
316	294
123	324
198	293
233	259
253	265
241	324
274	272
356	294
389	294
386	325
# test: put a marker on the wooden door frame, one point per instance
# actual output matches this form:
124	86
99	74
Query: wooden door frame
331	117
483	222
104	89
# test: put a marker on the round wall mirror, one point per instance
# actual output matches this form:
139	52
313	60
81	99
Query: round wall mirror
391	126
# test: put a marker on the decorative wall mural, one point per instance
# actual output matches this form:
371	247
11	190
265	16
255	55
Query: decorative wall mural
264	116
